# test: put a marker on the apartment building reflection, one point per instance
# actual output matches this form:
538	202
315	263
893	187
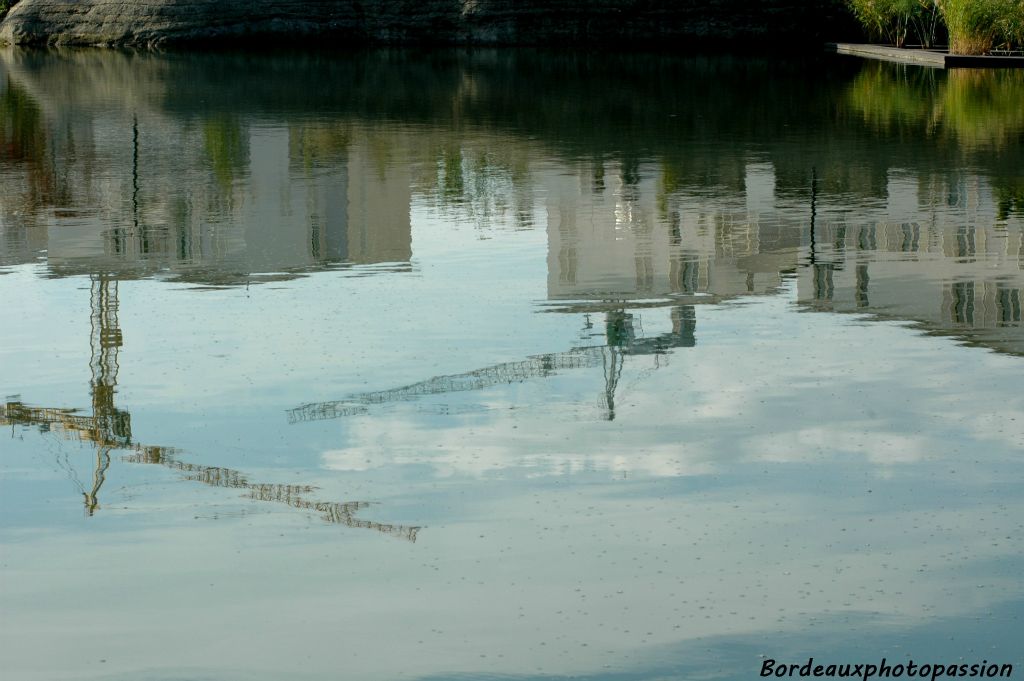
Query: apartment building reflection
936	253
280	214
220	202
629	234
932	248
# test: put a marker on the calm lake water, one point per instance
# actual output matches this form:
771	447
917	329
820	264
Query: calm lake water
506	365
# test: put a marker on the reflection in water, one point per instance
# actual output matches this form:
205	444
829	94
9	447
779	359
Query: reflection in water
621	342
973	108
66	423
268	186
646	233
227	149
572	216
134	193
296	496
109	428
935	257
23	142
250	185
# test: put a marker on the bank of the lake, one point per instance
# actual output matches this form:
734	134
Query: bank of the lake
652	22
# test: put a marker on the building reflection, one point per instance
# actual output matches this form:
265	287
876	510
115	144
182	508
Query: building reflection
640	234
220	201
926	247
263	177
935	254
625	241
277	218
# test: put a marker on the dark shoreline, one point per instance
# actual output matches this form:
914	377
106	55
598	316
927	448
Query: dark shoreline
772	25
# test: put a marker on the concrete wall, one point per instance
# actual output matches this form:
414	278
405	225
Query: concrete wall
345	22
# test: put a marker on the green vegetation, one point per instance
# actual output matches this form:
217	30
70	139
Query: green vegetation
974	26
1011	25
926	21
5	7
893	20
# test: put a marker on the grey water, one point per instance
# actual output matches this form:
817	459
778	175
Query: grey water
512	364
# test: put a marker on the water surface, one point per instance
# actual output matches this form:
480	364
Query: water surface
514	364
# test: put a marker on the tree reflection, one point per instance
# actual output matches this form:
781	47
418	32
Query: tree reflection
226	142
25	145
976	108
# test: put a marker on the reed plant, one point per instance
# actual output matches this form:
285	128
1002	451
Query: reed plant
894	20
1011	25
976	26
886	20
926	20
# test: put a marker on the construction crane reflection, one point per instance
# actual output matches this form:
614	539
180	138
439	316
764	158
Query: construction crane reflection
109	429
621	341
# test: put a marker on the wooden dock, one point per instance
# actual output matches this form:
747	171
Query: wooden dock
934	58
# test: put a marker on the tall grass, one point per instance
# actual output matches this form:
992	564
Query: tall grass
894	20
1011	25
926	20
884	19
973	24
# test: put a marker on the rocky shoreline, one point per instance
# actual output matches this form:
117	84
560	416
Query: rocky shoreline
153	23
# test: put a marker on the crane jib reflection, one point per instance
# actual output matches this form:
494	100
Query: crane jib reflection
108	429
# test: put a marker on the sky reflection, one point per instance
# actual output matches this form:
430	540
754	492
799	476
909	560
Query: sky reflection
652	394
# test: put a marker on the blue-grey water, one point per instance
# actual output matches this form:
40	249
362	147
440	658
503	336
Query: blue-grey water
506	365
